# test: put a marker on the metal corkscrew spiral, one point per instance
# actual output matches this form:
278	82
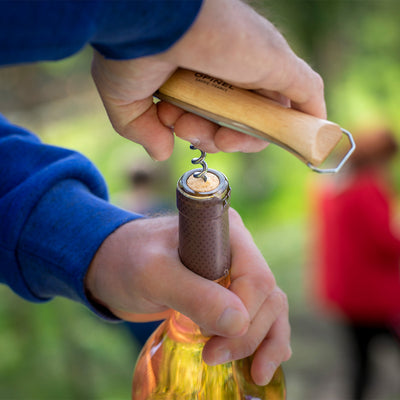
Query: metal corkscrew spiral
200	160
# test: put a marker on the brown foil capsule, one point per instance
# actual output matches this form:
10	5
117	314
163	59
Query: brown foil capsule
204	224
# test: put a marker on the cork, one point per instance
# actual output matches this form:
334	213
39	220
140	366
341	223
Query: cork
200	185
203	207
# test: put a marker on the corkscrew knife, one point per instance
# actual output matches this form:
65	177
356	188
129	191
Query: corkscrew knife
309	138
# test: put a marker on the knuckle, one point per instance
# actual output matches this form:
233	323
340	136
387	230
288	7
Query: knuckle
226	141
284	299
283	349
280	299
248	347
123	129
209	312
319	82
288	354
264	282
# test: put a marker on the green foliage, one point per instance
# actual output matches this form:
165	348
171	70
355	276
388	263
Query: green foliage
58	350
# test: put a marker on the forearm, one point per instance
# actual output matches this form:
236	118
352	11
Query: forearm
60	239
54	215
122	29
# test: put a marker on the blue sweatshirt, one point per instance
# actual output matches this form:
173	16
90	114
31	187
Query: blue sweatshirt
54	212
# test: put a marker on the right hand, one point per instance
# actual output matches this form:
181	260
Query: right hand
228	40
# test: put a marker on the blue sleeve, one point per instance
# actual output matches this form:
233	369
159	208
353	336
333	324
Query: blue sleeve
54	215
50	30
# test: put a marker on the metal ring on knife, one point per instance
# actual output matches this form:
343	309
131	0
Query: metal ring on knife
342	162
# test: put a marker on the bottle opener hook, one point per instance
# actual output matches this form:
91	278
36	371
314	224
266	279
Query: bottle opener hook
343	160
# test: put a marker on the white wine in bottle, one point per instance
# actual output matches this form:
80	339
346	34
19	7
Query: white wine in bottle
170	366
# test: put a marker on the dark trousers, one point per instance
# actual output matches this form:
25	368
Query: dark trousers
361	338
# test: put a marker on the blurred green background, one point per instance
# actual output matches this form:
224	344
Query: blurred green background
59	350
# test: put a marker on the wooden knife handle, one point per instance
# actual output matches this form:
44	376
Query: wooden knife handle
310	138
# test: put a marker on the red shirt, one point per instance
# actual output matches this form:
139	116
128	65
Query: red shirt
359	255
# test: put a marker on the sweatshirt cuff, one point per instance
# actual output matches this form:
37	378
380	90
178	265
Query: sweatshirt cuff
60	239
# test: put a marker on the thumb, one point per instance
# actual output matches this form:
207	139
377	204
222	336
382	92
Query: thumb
143	127
126	89
139	122
217	310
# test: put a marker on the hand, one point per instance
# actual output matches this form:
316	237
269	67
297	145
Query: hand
242	48
137	274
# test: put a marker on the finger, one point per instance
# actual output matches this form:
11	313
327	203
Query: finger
198	131
276	96
143	127
168	113
253	283
303	86
212	138
272	351
214	308
126	89
228	141
220	350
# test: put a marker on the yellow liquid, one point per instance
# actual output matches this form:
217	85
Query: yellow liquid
170	367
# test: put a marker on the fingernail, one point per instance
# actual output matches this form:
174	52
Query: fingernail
195	142
221	356
231	322
269	372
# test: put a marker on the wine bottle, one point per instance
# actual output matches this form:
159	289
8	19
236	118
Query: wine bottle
170	365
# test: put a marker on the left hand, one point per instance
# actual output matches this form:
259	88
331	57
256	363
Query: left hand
137	274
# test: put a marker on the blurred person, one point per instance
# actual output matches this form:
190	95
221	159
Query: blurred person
357	267
150	189
59	236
